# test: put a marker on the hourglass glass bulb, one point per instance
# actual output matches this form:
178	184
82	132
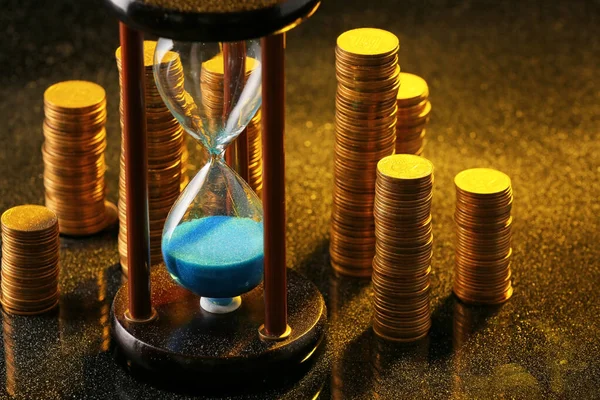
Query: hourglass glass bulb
213	237
203	103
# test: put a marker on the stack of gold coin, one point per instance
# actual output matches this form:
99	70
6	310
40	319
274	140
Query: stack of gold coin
402	262
165	143
483	224
211	82
365	131
30	255
414	109
213	91
255	154
73	154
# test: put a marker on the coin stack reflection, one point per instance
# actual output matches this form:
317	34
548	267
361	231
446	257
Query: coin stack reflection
483	236
213	100
402	262
255	154
8	335
165	143
414	109
30	256
185	156
398	370
467	320
73	154
367	73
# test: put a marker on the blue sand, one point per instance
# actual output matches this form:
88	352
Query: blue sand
216	256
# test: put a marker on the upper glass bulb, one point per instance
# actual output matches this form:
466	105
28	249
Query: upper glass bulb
213	89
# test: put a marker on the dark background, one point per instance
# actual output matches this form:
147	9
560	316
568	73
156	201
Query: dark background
514	86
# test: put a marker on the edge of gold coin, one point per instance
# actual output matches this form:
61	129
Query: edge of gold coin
412	88
149	49
74	95
368	42
216	65
482	181
29	218
405	166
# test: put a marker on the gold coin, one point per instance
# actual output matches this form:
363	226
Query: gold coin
149	49
28	218
216	66
405	167
484	181
368	42
413	89
74	95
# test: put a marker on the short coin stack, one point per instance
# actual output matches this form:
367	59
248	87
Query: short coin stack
402	263
255	154
30	256
483	236
165	143
414	109
73	154
365	131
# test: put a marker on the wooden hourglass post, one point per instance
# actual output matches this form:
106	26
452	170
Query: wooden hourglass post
273	125
234	73
136	167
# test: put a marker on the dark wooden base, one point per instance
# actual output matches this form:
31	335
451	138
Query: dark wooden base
189	346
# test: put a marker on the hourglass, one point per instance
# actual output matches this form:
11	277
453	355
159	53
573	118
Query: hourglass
213	238
206	312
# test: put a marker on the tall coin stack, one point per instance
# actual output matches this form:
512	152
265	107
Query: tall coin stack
165	142
255	154
414	109
402	262
365	131
73	154
483	238
30	256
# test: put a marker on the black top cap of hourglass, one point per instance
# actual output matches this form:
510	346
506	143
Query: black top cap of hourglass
213	20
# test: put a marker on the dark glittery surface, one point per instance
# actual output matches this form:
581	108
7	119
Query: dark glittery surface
514	86
212	6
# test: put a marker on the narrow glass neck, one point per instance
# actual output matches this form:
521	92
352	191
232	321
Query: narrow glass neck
216	156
